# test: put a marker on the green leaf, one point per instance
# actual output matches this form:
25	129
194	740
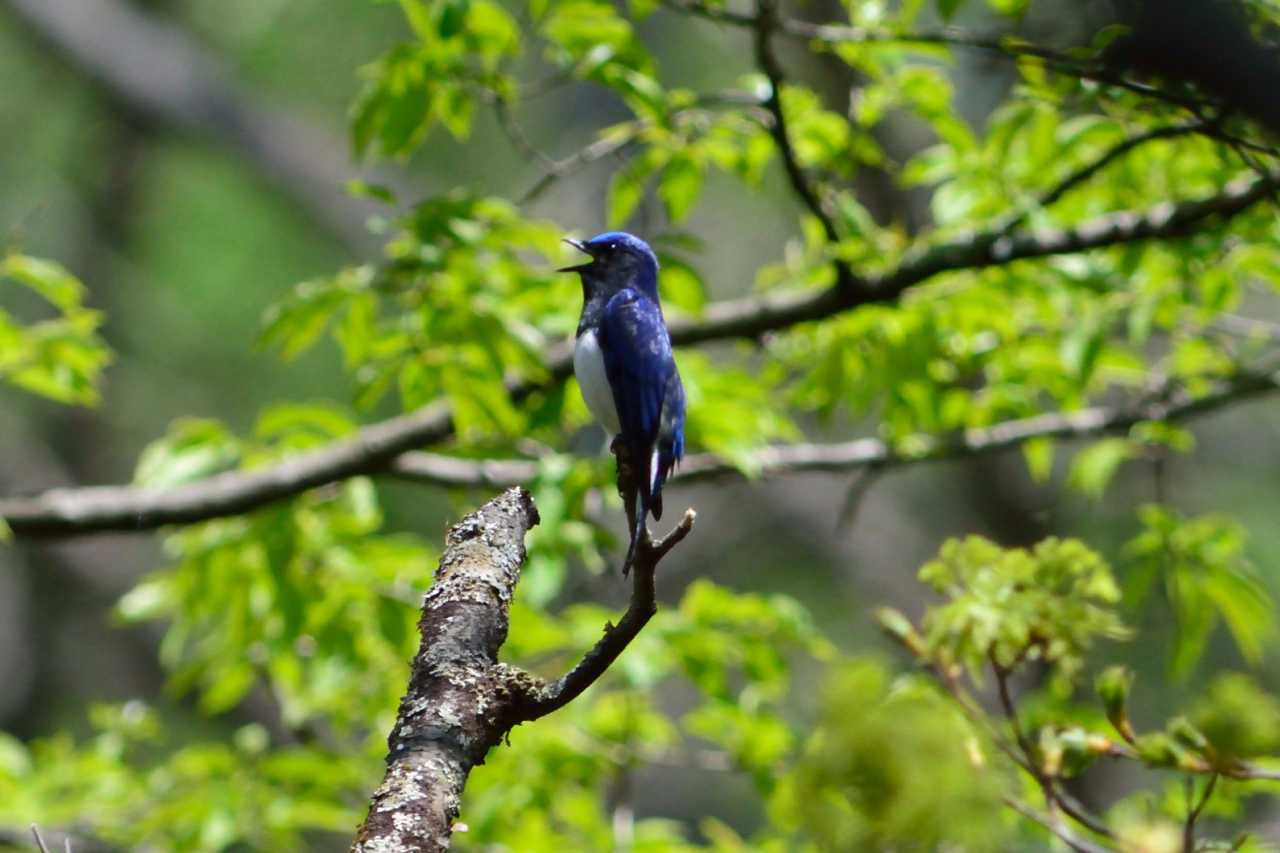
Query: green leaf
193	450
1113	686
453	13
627	187
1038	453
59	357
948	8
149	600
1080	351
1012	8
296	427
1093	468
681	285
1207	578
295	324
1238	719
1009	605
679	185
49	279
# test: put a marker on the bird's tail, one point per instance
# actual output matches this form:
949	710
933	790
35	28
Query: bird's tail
642	513
651	474
648	499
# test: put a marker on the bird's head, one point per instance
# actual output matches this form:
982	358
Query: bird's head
618	260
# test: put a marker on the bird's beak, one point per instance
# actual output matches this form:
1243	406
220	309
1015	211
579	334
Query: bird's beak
581	247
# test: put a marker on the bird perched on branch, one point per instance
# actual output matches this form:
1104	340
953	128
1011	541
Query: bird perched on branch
625	366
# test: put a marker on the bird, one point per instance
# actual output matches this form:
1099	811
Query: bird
625	368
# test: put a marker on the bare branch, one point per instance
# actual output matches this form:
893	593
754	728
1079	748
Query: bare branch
616	637
53	840
597	150
1092	168
441	470
763	26
752	317
1194	810
35	833
644	564
1054	798
159	75
1057	827
864	453
1245	773
618	138
834	34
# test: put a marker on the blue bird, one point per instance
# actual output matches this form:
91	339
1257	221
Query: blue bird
625	366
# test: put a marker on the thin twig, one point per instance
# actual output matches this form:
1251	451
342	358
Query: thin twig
764	24
1011	714
1092	168
833	34
615	142
616	638
1053	798
1193	811
1058	828
35	832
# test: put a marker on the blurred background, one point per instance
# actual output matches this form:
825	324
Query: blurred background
188	160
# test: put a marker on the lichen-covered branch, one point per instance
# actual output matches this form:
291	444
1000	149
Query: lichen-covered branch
461	701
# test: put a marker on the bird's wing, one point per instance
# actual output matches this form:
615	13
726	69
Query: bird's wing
639	364
647	393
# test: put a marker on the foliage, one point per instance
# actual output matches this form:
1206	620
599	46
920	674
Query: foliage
306	607
199	795
58	353
858	784
306	597
1206	578
1009	606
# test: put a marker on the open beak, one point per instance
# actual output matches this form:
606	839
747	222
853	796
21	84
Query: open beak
581	247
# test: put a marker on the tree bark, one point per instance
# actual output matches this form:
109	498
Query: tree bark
460	700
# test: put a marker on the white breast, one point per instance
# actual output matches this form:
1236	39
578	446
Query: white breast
588	366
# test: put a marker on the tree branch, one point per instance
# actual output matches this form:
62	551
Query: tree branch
618	138
752	317
1057	827
1011	46
156	73
461	701
616	637
65	512
864	452
1055	193
53	839
763	25
1193	811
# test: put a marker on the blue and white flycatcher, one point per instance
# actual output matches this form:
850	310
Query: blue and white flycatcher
625	366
